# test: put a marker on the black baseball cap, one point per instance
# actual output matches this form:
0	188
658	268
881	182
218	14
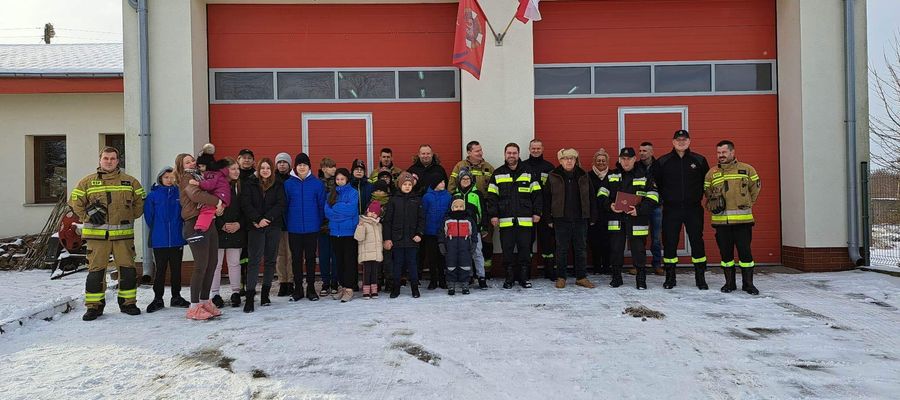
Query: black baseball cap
626	152
681	133
245	151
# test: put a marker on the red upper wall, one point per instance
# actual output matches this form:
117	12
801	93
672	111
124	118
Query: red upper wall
60	85
654	30
330	35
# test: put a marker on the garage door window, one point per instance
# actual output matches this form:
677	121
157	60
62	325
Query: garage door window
562	81
306	85
366	85
626	79
683	78
427	84
743	77
244	86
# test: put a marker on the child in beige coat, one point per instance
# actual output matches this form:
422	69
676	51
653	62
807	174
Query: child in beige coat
368	235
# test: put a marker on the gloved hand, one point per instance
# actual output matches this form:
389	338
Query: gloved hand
716	204
96	212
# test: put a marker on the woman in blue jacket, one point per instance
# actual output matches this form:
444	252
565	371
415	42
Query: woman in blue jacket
343	216
304	214
162	213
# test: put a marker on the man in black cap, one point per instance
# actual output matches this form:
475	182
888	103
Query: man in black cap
679	175
632	222
245	162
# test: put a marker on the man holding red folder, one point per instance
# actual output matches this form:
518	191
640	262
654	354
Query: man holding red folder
631	196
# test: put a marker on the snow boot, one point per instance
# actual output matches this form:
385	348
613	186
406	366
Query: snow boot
508	284
248	302
452	290
670	277
91	314
155	305
747	281
525	284
235	300
465	288
311	292
415	290
130	309
179	302
700	276
264	295
297	293
210	308
347	295
367	292
730	284
217	300
640	278
482	284
373	291
560	283
616	273
395	290
334	287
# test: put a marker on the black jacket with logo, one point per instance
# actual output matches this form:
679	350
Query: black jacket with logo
680	179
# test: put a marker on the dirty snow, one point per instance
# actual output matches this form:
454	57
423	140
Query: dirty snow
824	336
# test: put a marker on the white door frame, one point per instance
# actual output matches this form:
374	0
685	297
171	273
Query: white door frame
332	116
681	110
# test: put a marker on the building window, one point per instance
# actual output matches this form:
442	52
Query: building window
683	78
244	86
562	81
116	141
624	79
49	168
366	85
306	85
743	77
427	84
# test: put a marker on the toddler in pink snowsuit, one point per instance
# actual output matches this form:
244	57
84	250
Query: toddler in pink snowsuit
216	182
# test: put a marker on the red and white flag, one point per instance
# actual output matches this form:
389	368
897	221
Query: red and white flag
528	10
468	48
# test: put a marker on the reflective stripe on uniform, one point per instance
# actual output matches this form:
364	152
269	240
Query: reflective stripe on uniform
128	294
503	178
614	177
698	260
603	192
506	222
94	297
526	189
728	177
76	193
733	216
109	188
653	195
141	192
613	226
492	188
727	264
544	176
525	177
750	264
639	182
101	233
535	186
512	221
673	260
640	230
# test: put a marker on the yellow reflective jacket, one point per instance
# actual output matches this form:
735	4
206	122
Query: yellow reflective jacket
123	197
739	184
482	173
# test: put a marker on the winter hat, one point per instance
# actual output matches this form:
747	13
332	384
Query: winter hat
464	172
344	172
438	182
405	177
283	157
383	174
566	153
380	185
374	208
357	163
207	157
301	158
458	205
162	172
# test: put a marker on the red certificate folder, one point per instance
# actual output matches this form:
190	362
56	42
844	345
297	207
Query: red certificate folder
626	200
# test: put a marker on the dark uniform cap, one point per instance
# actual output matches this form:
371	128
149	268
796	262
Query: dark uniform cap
626	152
245	151
681	133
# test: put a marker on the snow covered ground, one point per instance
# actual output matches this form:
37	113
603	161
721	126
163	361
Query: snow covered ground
28	291
823	336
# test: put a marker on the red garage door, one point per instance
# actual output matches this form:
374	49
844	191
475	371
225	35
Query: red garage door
272	64
713	58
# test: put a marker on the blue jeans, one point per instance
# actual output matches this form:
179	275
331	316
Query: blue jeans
405	257
656	236
327	265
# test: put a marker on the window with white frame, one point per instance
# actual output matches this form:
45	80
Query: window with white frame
49	171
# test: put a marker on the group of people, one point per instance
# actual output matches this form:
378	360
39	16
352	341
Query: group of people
280	216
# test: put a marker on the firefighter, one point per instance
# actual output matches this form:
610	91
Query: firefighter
732	188
543	233
633	223
679	178
514	204
108	202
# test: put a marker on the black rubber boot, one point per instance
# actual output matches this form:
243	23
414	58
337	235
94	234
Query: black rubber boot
616	272
283	290
264	295
747	281
155	305
235	300
297	293
415	290
311	294
700	276
91	314
670	277
248	303
730	284
640	279
395	290
217	300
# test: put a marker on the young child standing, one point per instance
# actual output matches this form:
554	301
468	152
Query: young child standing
215	182
381	194
468	192
435	204
343	216
368	235
458	237
402	230
327	266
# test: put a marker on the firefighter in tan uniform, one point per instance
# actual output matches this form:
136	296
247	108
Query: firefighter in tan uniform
108	201
732	188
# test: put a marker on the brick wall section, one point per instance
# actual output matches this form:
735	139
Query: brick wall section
816	259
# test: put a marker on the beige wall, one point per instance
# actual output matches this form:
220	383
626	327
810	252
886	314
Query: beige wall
81	118
812	116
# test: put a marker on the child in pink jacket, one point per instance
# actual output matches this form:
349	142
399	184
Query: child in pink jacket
216	182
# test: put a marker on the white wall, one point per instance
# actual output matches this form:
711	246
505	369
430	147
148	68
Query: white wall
82	118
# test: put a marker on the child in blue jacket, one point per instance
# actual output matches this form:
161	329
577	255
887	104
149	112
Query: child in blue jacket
162	213
304	214
343	216
435	204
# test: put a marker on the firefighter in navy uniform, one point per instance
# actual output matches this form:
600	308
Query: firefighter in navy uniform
514	203
632	224
108	202
732	188
679	178
543	233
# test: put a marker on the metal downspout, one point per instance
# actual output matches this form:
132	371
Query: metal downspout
852	180
140	6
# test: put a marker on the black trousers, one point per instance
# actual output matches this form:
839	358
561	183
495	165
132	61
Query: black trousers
431	257
673	217
730	236
638	245
168	257
303	250
545	237
262	244
571	234
370	272
516	263
598	242
345	256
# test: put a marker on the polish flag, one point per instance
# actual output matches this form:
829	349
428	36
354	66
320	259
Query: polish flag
528	10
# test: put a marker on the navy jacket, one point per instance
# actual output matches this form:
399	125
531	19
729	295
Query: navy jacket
305	200
364	188
162	213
